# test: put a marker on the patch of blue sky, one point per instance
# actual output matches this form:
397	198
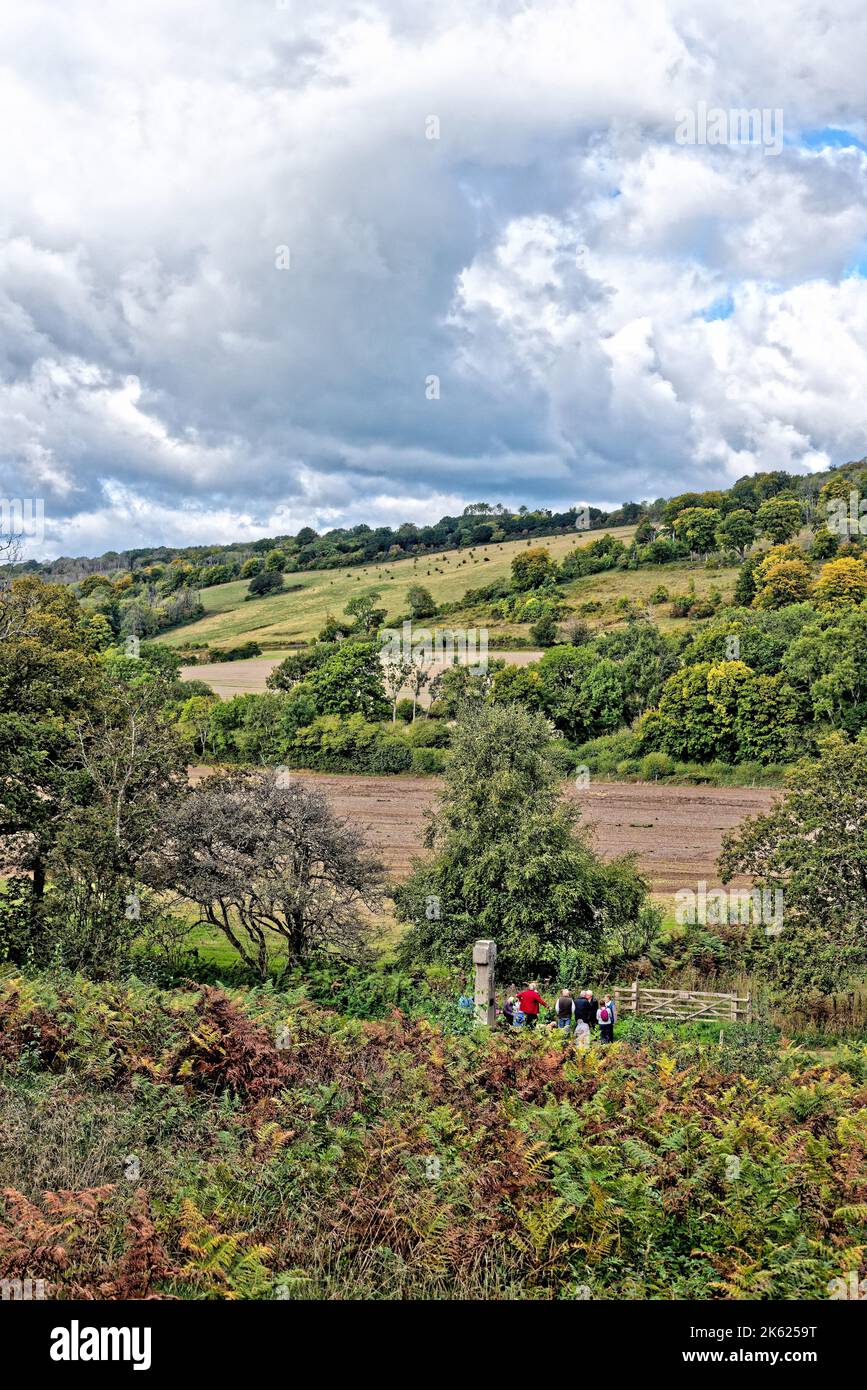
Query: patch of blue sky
720	308
826	137
857	268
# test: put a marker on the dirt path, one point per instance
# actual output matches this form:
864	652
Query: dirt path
676	832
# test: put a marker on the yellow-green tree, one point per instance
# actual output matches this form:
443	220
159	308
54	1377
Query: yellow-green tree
531	568
841	582
697	528
781	580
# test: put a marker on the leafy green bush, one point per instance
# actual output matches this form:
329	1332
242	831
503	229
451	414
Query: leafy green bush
262	585
390	755
656	765
603	754
429	760
694	773
428	733
564	757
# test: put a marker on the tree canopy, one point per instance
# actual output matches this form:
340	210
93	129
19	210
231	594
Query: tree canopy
508	859
812	847
268	864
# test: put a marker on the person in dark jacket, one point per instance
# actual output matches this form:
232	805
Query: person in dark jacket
592	1007
582	1019
582	1007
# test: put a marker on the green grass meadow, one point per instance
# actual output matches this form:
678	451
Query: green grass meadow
297	615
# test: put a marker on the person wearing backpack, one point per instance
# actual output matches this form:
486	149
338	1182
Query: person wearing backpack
605	1017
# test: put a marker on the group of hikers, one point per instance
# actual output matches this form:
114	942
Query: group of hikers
580	1012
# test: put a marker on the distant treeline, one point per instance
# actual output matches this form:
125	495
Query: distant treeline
356	545
480	523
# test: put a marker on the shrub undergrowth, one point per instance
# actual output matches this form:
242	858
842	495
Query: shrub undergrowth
209	1143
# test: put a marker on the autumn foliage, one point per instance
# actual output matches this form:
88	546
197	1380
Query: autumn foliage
285	1151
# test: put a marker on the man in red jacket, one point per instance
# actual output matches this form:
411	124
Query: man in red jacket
529	999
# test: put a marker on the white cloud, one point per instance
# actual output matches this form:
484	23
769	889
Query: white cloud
549	258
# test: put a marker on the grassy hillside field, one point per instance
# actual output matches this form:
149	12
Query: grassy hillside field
298	614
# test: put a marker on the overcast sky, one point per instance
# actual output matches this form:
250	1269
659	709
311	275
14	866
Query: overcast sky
610	313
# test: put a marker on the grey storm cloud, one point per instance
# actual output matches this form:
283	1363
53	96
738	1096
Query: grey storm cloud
553	258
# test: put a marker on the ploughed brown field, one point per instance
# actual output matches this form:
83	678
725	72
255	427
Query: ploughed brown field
249	677
676	832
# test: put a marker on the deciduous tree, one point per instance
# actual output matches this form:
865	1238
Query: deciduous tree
531	567
509	861
812	847
780	518
841	582
270	867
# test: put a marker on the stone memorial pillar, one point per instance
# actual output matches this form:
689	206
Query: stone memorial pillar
484	960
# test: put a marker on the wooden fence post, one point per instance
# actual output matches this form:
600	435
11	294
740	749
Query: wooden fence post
484	960
634	997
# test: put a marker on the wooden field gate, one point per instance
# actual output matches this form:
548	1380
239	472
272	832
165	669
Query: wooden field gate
681	1005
